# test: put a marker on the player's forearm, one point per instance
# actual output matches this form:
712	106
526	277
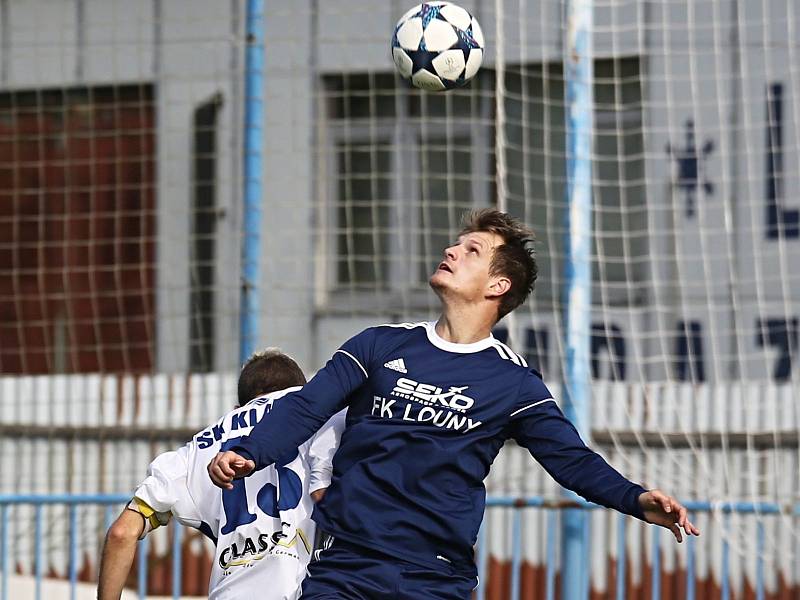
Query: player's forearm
297	416
285	428
555	443
590	476
114	569
118	554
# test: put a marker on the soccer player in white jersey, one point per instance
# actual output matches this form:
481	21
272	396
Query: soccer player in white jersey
261	529
429	407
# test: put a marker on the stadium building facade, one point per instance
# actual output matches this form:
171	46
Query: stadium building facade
121	159
695	220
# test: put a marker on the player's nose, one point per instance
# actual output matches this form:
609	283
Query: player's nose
450	252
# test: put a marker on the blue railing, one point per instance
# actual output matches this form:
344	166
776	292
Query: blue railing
39	502
551	550
518	506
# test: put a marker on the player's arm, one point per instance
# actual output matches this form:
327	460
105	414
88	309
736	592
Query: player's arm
151	507
541	427
298	415
135	521
118	552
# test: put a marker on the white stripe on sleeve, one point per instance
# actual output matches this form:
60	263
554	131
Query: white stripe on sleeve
519	410
360	366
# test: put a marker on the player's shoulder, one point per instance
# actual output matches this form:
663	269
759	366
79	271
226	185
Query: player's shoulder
387	333
248	415
533	392
399	328
368	336
515	371
501	352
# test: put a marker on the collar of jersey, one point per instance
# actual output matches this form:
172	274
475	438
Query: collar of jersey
277	394
442	344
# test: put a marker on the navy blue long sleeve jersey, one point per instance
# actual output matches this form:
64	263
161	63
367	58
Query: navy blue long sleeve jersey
425	420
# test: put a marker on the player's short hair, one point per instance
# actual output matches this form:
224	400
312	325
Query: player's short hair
515	259
268	371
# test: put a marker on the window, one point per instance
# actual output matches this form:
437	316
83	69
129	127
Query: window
202	275
621	254
364	202
405	166
445	192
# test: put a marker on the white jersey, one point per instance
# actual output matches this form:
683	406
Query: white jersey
262	528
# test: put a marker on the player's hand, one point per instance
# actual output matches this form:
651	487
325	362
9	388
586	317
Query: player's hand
227	466
661	509
318	495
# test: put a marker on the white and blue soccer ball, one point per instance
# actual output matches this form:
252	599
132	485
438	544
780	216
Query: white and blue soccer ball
437	46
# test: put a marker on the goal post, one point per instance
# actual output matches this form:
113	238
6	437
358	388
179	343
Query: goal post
576	295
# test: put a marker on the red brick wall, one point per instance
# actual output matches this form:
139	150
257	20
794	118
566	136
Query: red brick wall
77	227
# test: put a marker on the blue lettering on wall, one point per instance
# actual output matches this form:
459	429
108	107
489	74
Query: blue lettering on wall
610	338
537	349
781	222
782	334
689	362
691	168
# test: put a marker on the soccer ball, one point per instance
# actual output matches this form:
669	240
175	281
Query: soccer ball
438	46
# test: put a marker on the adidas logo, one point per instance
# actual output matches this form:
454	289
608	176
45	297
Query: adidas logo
396	365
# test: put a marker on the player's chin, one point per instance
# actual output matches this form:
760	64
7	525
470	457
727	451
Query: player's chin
438	281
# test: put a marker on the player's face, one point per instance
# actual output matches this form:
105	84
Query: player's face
465	268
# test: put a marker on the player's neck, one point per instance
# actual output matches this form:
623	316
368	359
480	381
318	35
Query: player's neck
459	325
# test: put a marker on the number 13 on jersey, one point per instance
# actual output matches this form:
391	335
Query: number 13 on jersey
269	499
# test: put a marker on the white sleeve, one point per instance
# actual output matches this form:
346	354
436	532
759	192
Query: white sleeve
165	489
323	447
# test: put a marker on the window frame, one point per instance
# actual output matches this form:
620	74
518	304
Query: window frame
403	291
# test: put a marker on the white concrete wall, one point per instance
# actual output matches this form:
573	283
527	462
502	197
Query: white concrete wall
718	474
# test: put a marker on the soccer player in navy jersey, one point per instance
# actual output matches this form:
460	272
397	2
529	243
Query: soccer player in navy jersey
429	407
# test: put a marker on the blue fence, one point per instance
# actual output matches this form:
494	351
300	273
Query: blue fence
553	550
113	502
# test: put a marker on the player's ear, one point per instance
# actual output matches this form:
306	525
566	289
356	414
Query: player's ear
498	285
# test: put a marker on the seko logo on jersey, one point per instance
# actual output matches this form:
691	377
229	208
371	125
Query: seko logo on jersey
428	404
430	395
